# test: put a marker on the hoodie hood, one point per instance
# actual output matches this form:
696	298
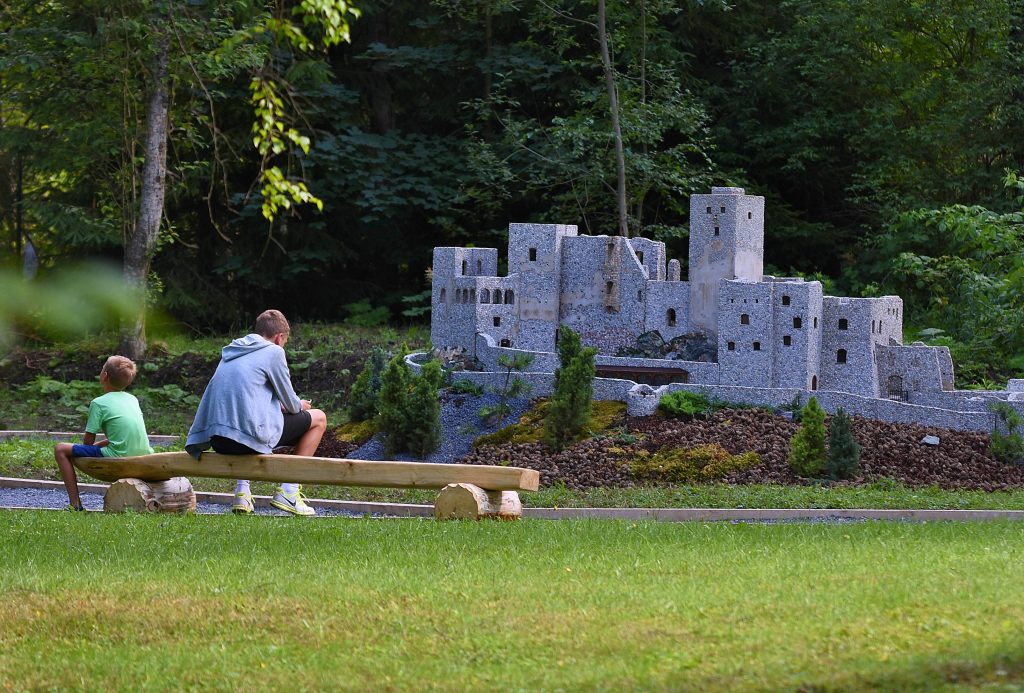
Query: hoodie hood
248	344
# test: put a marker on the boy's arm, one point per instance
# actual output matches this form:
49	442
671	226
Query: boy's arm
281	383
90	439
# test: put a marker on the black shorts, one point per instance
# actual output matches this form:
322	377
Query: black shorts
295	426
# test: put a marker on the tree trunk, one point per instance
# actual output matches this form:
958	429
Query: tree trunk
613	106
141	242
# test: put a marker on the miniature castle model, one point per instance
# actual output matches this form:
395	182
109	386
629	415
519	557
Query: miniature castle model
769	336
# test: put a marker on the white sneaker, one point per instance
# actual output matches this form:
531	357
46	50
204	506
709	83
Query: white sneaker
243	504
293	503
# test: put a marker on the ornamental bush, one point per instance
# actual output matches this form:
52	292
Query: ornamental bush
843	448
569	411
684	404
1007	447
364	398
410	410
807	447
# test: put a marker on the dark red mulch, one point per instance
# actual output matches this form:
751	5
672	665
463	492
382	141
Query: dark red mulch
332	446
961	461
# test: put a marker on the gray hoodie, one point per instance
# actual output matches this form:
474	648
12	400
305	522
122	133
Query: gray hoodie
244	398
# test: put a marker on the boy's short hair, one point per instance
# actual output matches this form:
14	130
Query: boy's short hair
271	322
120	371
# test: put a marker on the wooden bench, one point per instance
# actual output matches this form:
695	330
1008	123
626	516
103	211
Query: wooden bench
158	482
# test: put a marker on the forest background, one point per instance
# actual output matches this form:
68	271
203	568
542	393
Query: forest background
886	136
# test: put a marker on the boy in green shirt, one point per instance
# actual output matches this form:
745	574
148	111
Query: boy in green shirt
117	415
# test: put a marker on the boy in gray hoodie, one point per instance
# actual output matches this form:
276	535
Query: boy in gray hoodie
250	408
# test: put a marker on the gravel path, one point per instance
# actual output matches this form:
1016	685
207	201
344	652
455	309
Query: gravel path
58	499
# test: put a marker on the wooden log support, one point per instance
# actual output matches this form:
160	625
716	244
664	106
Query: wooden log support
172	496
468	502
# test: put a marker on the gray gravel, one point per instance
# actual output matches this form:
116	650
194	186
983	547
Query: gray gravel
58	499
461	425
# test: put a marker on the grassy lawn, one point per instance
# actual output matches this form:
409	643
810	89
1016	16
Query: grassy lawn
218	603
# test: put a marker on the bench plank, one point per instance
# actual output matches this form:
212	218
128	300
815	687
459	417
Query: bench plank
309	470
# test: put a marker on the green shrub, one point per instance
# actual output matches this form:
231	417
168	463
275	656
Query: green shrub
684	404
604	414
511	388
410	411
569	410
466	387
1007	447
807	448
364	398
686	466
843	449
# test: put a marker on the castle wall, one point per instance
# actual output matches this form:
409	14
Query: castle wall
746	333
796	348
910	373
604	291
651	255
456	272
535	255
726	242
851	327
668	308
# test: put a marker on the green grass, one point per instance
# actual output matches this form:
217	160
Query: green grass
156	603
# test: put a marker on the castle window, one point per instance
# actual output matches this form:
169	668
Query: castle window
497	321
485	296
505	343
732	300
608	288
757	300
509	296
814	382
879	327
732	346
718	231
442	294
797	323
757	346
750	215
611	250
479	267
843	324
472	296
744	319
533	254
872	327
671	317
785	300
709	210
787	340
639	295
815	323
723	209
841	356
464	267
640	256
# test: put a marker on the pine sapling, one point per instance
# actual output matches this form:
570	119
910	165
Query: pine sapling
568	412
365	394
396	382
423	411
807	447
843	448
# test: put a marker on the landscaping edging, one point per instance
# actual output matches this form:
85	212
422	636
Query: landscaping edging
657	514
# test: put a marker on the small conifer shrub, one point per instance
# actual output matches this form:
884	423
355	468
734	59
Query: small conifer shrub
1007	447
396	383
807	447
363	399
683	404
410	411
843	448
569	411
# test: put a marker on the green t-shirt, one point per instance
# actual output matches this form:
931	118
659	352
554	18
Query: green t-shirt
118	416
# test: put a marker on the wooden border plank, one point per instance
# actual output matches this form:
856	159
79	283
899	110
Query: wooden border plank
309	470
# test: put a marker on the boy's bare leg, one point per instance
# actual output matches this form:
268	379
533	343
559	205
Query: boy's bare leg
310	440
62	453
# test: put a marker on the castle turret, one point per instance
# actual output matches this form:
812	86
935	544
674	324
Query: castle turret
535	258
726	242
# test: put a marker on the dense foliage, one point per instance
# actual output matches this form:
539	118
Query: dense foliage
807	454
843	449
881	132
568	413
